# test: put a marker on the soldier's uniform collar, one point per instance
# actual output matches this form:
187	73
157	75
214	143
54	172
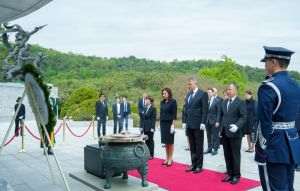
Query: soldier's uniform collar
279	73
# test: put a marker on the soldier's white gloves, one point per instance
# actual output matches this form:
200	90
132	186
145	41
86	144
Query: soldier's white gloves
106	118
233	128
183	125
202	126
21	117
172	130
98	118
152	130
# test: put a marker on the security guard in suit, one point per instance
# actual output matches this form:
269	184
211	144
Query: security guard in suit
101	115
277	149
20	117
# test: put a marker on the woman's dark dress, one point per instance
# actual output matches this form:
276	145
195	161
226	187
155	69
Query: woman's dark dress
251	123
168	113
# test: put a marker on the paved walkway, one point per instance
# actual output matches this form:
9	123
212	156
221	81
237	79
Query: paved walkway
29	171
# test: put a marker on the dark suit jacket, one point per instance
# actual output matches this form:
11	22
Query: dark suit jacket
21	112
141	106
128	112
196	110
214	111
149	119
236	114
101	110
168	110
183	114
115	111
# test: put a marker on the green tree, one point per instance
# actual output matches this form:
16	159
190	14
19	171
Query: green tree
226	72
80	104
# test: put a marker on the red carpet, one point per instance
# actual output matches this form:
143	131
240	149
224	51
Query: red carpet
175	178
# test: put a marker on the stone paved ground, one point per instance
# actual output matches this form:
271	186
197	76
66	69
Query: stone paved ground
29	171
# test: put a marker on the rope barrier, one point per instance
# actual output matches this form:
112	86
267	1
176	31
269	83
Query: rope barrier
57	130
84	133
10	140
32	134
55	133
38	138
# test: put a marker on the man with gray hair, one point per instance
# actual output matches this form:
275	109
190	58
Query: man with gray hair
196	105
233	119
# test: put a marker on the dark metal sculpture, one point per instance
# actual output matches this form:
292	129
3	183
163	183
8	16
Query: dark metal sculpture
18	52
117	155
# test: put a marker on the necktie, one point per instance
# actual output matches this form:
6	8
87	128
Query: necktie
209	102
125	107
190	97
229	103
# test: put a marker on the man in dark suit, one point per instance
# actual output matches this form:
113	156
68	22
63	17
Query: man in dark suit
125	105
20	117
141	107
212	125
233	119
101	115
117	115
196	105
148	124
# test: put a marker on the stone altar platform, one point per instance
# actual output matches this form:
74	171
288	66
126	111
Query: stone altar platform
96	183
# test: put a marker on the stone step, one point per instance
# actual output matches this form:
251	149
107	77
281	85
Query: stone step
96	183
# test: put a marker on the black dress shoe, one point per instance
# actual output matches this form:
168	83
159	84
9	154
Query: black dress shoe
234	180
190	169
50	151
197	170
207	151
227	178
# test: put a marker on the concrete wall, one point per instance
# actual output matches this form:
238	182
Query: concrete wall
9	92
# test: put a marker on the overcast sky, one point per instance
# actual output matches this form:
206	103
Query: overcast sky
169	29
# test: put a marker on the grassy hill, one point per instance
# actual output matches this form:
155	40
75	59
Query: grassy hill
129	76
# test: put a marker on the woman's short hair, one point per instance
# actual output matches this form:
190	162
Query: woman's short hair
169	92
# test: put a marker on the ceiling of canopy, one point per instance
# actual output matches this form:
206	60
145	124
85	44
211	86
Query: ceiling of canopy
13	9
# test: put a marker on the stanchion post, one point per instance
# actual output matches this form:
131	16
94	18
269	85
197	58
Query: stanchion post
64	128
23	139
93	124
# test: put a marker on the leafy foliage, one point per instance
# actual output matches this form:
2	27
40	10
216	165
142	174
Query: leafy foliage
227	72
80	104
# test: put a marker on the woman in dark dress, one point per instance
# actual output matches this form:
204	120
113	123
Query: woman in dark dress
168	114
250	128
148	123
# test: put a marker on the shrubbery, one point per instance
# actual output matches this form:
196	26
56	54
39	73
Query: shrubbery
80	104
